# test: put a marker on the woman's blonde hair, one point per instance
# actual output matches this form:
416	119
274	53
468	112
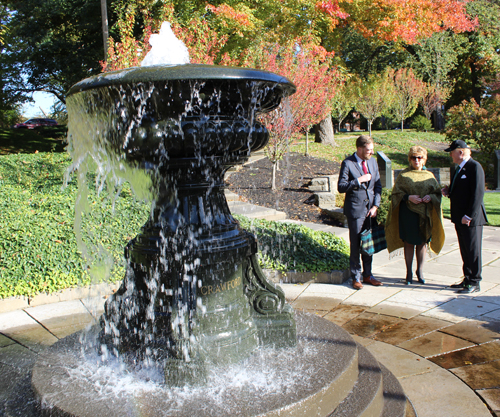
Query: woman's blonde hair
417	151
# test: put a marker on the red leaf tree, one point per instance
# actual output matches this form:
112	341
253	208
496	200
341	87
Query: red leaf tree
309	67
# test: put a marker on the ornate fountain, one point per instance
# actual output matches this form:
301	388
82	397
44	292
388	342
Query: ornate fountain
194	294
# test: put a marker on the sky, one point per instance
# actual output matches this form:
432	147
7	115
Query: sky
43	100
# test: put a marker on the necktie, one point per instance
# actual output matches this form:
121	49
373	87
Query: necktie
457	170
363	164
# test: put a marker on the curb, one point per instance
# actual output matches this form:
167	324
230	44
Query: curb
294	277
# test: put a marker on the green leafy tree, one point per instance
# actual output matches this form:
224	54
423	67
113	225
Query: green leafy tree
479	60
375	97
53	44
435	58
344	100
421	124
407	90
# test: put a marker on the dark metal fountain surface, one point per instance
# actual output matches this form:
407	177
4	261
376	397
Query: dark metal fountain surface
194	295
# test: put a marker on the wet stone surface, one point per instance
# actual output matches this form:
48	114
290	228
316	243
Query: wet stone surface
410	329
475	331
435	343
344	313
367	324
487	352
492	398
486	375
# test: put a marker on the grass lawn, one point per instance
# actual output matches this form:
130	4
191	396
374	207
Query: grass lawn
492	204
394	144
45	139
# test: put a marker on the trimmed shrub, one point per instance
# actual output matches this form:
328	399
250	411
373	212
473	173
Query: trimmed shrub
421	124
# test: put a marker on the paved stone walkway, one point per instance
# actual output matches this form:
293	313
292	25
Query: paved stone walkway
443	347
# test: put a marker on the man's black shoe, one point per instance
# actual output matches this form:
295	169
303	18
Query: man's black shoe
463	284
469	289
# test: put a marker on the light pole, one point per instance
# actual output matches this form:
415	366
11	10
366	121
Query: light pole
104	13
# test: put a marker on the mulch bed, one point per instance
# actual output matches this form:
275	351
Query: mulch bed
253	184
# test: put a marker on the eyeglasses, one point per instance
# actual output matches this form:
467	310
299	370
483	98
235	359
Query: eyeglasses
417	157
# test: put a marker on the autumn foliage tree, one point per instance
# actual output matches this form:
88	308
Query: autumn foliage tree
405	21
308	67
344	100
205	44
469	121
432	98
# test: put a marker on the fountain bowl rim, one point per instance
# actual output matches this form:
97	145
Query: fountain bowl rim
195	72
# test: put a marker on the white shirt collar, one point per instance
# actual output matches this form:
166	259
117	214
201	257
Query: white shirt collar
464	162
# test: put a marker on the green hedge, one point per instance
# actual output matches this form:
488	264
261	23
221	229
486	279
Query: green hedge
38	245
290	246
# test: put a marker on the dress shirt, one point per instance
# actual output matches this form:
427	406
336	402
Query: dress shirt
359	161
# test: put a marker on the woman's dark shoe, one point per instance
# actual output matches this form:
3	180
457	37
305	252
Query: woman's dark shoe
409	279
420	278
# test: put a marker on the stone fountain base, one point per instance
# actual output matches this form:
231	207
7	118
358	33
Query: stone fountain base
326	374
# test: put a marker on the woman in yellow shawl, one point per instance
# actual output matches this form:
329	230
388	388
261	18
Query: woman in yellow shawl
415	217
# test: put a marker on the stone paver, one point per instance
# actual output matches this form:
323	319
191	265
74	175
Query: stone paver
475	331
487	352
435	343
462	308
441	394
480	376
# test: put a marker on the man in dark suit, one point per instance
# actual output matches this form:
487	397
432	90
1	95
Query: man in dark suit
359	179
466	192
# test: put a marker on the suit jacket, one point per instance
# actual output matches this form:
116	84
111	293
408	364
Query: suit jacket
359	198
466	197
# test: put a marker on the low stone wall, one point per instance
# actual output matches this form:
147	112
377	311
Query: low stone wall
332	277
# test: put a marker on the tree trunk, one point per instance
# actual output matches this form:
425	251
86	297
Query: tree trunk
439	118
307	143
369	128
273	180
324	132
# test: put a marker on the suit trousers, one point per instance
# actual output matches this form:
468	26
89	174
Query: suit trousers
356	226
470	242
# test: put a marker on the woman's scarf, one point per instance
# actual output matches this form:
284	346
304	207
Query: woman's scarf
421	183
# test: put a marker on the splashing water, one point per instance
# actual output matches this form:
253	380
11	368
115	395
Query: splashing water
166	49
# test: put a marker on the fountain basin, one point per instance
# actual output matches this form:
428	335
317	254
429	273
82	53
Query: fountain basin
327	373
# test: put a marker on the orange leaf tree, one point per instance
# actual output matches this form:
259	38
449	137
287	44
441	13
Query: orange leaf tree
399	20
